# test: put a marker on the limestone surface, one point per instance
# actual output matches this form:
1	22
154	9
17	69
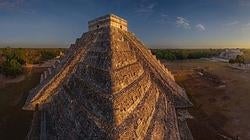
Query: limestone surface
108	86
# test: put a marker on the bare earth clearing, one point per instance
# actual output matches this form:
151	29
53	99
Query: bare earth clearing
15	122
220	95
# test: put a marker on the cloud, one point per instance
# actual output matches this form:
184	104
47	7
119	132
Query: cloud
233	23
164	15
246	27
183	23
244	2
200	27
11	4
146	8
163	18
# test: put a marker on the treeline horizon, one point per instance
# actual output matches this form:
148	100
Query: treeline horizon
56	46
182	54
12	60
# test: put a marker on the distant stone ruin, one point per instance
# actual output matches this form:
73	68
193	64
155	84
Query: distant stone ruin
108	86
230	53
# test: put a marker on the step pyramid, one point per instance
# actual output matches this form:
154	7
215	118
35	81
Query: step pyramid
108	86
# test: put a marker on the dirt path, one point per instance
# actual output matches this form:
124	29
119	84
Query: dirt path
45	64
221	96
9	80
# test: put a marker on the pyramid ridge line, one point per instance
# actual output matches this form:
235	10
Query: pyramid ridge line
109	85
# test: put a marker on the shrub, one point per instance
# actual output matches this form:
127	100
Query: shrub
12	67
231	61
180	54
46	55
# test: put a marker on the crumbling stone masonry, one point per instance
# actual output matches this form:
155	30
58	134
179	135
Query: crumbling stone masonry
108	86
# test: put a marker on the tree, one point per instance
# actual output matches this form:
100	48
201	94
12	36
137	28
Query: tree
231	61
20	55
12	67
159	54
169	56
11	53
240	59
46	55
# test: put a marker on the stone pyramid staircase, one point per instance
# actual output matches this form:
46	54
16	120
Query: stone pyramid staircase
108	86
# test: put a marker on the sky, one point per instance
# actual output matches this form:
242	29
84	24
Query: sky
158	23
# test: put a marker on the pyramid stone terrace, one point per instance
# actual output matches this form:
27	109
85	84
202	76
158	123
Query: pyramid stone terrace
108	86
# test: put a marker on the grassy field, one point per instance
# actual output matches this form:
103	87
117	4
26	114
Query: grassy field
221	108
15	122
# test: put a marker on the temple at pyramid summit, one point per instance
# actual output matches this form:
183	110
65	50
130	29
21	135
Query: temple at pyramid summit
108	85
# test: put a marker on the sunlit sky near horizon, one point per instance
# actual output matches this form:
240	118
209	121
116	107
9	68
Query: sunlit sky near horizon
158	23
